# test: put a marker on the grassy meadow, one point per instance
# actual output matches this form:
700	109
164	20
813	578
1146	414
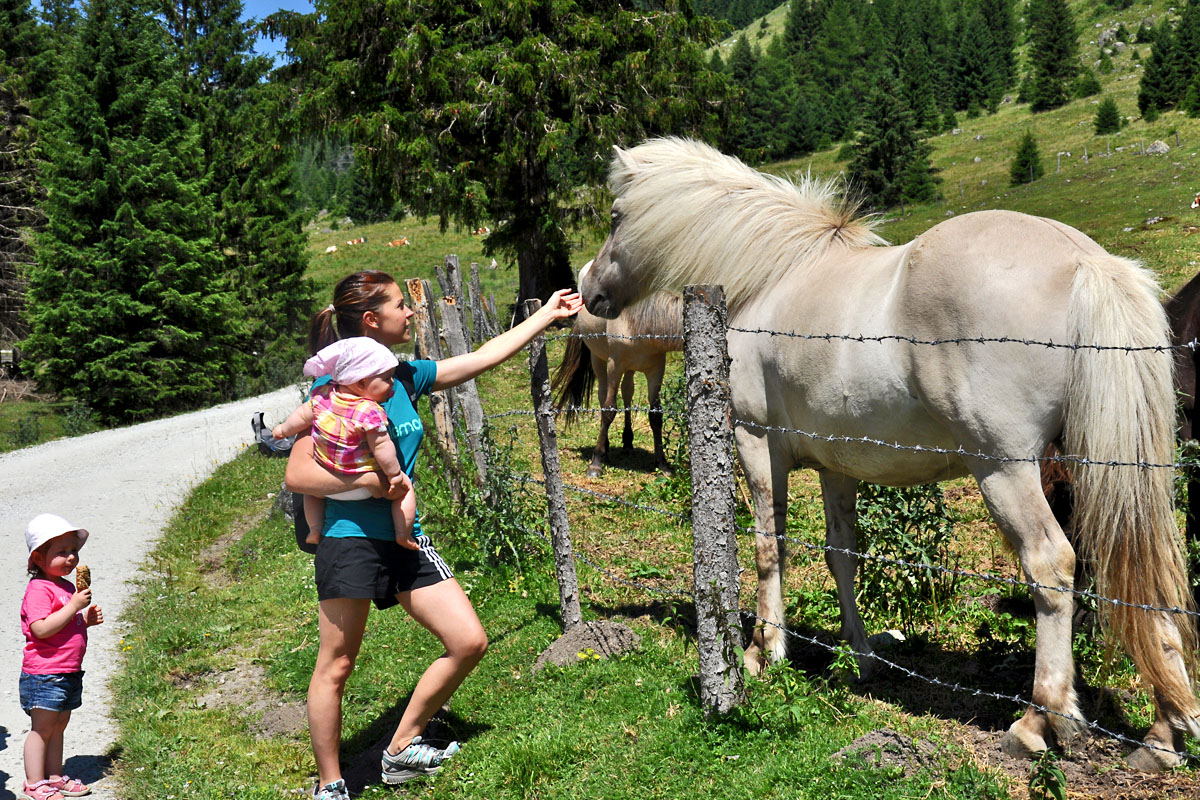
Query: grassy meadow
222	636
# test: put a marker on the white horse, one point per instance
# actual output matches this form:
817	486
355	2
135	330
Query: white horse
610	352
796	258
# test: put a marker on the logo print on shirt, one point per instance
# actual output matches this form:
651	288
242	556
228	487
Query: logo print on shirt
405	428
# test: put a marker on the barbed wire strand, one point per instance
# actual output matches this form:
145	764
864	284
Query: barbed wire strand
1190	346
960	452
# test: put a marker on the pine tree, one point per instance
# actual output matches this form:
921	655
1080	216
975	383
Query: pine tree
499	110
978	76
1108	118
1156	87
248	164
22	85
915	73
1027	165
891	162
128	302
1000	20
1053	47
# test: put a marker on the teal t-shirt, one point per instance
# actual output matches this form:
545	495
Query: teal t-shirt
372	518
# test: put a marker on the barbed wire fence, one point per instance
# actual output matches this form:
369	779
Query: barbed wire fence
714	590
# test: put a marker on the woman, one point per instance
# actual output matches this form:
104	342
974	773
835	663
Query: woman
358	560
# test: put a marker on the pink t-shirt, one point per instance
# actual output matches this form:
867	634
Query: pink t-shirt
62	652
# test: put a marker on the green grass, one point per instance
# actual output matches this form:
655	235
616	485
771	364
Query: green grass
599	728
24	423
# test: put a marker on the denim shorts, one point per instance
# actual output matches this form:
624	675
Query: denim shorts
63	692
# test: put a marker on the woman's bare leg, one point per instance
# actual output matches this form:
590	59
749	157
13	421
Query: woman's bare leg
341	623
445	611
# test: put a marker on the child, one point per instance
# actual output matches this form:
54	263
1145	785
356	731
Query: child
350	428
54	618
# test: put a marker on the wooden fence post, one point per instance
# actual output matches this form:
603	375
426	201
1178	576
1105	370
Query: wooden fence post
714	541
454	326
427	345
556	501
481	328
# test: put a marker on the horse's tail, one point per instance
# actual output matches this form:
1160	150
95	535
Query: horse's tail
572	384
1121	407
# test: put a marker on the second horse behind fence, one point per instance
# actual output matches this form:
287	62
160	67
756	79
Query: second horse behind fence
963	352
611	351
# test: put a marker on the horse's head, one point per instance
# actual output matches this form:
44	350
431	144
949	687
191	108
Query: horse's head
609	283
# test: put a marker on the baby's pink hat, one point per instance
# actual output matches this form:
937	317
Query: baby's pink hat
350	360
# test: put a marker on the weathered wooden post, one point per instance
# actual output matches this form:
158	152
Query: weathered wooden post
481	328
454	327
714	541
556	501
427	345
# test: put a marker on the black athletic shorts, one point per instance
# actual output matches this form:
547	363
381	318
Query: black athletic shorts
374	569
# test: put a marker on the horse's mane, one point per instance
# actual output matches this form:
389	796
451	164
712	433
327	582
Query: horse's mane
696	215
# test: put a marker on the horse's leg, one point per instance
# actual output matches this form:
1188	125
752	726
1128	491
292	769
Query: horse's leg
839	493
627	402
1013	494
608	397
768	491
654	379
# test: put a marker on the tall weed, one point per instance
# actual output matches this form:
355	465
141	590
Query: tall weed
911	525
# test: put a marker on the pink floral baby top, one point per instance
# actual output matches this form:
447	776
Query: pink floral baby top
340	425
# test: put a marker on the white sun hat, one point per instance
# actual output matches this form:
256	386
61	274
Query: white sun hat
45	527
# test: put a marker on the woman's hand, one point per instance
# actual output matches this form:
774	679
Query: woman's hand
562	304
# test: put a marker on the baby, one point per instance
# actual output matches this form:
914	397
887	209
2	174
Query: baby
350	427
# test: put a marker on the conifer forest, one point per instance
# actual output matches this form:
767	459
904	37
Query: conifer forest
156	174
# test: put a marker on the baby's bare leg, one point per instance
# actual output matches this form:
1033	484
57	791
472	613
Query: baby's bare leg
314	515
402	520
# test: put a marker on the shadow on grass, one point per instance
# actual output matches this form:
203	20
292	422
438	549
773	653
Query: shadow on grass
361	754
999	670
631	460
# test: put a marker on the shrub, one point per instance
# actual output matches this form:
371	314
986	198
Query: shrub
1108	118
1086	84
912	525
1027	165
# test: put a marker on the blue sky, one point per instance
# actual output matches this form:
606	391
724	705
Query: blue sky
257	9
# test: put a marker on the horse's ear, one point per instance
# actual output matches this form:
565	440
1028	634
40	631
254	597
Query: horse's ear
624	158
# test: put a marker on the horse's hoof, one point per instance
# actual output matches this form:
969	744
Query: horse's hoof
1146	759
595	472
665	470
1022	744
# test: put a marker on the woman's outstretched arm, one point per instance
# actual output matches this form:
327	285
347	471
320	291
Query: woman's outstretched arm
457	369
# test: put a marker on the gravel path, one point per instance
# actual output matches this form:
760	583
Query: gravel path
123	486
